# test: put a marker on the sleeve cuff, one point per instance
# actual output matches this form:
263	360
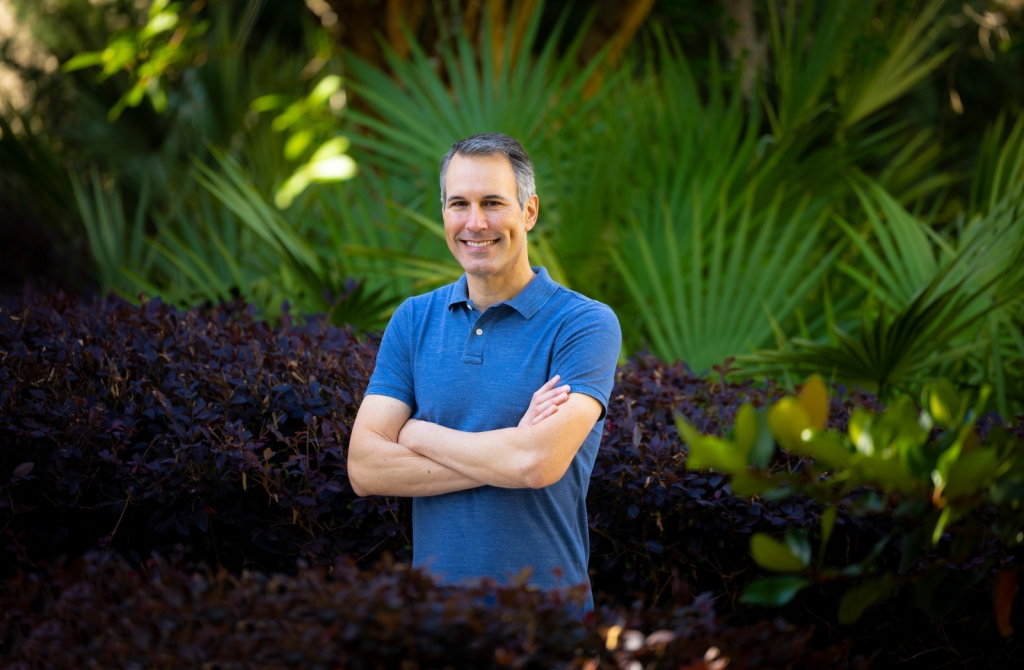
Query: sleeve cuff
391	392
594	393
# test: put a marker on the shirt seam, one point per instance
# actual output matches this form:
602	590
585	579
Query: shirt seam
371	390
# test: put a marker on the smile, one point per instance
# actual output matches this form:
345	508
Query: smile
477	245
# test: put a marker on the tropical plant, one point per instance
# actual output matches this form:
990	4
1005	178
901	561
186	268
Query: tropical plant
116	247
933	303
416	110
933	486
701	233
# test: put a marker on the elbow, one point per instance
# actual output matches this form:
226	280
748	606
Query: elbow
355	481
357	474
542	472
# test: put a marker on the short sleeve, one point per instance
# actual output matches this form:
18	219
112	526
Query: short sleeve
586	352
392	375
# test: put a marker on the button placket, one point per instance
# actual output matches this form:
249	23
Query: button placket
474	352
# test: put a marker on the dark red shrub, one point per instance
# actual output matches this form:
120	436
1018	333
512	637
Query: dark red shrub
101	613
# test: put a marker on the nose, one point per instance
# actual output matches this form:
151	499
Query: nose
477	219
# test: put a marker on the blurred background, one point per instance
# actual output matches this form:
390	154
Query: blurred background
757	187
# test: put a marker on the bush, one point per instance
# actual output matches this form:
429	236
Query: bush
101	613
131	425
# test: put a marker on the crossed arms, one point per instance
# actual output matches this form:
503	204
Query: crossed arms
392	454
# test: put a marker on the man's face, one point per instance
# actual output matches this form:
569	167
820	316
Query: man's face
485	227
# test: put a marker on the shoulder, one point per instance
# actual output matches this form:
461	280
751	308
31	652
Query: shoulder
417	307
584	324
577	310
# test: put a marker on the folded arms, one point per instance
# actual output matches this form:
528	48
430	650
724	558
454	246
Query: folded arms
392	454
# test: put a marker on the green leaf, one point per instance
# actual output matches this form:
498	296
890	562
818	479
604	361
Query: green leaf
327	87
764	444
970	474
825	449
828	522
940	525
298	143
745	429
799	545
708	451
773	591
859	598
748	483
337	168
773	555
715	454
83	60
944	404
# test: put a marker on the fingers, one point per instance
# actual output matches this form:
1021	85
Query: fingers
545	414
542	398
555	399
547	385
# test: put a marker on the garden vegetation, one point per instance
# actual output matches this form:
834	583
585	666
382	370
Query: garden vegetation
209	211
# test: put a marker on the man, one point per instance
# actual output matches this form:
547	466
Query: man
463	413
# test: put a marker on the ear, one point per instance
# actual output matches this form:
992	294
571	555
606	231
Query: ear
532	211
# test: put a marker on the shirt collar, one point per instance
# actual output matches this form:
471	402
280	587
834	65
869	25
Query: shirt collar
527	302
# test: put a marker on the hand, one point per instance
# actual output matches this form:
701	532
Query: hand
545	402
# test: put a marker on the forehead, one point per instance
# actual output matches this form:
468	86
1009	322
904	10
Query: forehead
480	175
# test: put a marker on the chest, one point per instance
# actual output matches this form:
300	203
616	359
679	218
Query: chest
476	372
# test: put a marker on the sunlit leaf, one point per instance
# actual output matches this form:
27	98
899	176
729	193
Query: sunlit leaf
773	555
813	398
944	404
788	420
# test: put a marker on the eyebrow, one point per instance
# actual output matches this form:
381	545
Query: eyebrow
493	196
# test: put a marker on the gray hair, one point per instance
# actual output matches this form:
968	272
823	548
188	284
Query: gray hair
489	144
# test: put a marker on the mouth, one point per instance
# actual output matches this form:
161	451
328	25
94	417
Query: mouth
479	244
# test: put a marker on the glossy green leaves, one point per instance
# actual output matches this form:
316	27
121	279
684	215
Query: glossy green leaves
937	481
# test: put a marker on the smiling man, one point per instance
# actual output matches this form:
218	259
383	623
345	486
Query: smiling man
463	412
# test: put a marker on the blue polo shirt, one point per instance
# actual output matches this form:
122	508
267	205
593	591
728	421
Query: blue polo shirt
472	371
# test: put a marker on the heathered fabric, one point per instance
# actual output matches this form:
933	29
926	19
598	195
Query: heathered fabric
433	359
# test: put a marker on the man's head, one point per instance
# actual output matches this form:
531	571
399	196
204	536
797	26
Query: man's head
491	144
488	206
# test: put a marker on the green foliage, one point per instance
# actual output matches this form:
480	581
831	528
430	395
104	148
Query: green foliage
668	190
169	41
114	245
931	484
932	302
416	110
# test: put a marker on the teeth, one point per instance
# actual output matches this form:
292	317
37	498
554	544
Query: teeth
480	244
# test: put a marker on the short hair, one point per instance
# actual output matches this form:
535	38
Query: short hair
489	144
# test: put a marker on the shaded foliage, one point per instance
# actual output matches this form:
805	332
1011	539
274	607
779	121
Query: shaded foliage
100	611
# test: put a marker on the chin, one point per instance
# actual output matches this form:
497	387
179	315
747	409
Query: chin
479	269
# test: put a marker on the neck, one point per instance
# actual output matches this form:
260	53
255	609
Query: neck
485	291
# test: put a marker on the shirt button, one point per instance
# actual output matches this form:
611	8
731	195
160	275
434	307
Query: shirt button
470	307
479	331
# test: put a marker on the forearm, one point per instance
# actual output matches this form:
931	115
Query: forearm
527	456
506	458
383	467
